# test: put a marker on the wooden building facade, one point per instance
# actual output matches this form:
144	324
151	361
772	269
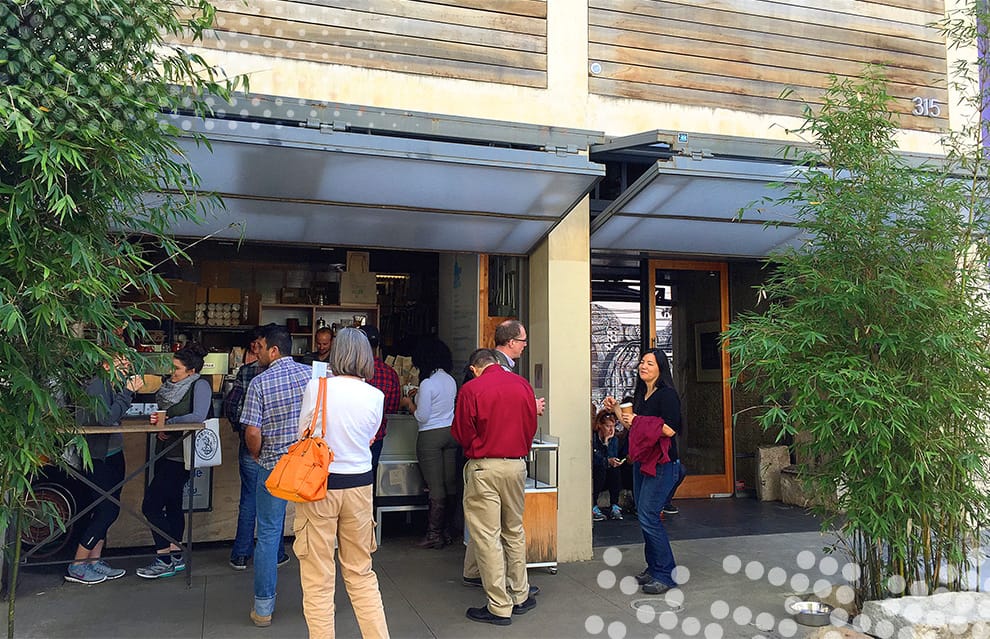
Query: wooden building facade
739	70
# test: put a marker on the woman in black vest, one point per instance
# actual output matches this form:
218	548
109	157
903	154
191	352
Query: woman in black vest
186	398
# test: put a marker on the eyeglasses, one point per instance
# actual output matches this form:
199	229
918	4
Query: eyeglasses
524	341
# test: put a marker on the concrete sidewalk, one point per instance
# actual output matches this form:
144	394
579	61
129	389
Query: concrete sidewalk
732	588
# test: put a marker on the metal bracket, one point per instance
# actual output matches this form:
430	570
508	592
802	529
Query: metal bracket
325	127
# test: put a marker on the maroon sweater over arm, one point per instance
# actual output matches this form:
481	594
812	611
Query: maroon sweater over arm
647	443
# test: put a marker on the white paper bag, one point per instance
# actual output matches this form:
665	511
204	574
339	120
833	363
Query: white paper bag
207	445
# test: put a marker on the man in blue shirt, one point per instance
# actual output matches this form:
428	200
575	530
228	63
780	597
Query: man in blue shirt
233	403
270	419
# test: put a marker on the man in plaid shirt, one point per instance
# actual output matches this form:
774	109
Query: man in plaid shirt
270	419
387	381
243	547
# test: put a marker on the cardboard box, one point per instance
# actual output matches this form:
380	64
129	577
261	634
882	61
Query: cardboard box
358	261
225	296
202	295
217	383
182	299
358	288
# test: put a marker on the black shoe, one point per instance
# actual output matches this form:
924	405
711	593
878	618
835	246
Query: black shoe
483	615
644	577
655	588
284	559
524	607
670	509
534	590
238	563
473	581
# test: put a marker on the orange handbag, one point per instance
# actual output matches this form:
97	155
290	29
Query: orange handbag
301	473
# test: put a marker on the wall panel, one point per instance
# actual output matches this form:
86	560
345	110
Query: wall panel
745	54
503	42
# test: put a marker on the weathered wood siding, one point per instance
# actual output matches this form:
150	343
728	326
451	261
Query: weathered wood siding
743	54
502	41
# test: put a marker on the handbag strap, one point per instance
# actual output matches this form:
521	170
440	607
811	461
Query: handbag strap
320	412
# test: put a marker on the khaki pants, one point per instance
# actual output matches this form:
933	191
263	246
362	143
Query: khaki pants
494	498
345	516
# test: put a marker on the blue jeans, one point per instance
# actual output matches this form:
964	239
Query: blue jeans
679	475
271	521
244	538
651	494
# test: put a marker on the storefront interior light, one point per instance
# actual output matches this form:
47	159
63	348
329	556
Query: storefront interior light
392	276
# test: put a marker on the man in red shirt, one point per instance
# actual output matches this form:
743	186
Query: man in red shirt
494	421
387	381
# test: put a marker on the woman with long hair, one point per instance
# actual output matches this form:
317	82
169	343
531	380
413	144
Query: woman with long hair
344	518
436	449
652	423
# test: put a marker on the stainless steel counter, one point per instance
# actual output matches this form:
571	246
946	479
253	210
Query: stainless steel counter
398	470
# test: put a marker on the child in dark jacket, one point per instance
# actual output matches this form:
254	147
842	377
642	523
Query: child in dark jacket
605	466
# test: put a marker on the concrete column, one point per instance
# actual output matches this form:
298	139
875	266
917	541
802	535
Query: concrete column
559	341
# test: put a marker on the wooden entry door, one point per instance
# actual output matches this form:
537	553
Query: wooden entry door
689	309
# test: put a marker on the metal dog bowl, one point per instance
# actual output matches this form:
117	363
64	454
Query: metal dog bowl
811	613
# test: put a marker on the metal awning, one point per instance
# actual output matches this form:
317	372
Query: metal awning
689	206
688	201
315	184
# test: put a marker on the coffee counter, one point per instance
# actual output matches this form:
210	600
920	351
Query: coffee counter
218	488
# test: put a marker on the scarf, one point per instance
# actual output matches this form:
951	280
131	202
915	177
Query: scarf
172	392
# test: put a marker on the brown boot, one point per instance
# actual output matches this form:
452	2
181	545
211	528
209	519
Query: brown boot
434	530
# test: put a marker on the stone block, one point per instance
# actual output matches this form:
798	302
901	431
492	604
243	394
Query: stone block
770	460
791	489
948	615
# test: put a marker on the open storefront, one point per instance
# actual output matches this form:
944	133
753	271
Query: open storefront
336	216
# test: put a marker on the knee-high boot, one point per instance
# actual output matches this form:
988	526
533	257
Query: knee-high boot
434	531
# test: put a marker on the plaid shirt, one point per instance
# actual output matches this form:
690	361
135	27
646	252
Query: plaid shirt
387	381
233	403
272	404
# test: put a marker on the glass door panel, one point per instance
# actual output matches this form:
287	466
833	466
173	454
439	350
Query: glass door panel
689	311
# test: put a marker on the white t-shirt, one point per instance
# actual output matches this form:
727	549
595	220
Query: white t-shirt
354	413
435	401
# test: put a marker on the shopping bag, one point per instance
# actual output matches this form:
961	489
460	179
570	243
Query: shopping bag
301	473
207	445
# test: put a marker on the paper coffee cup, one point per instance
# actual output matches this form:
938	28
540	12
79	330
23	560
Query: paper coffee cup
162	416
626	407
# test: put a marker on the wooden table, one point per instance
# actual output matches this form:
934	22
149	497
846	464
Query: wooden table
133	425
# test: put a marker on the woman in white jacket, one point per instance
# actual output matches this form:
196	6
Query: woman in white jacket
344	517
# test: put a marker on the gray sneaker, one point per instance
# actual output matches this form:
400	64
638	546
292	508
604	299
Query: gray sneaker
107	570
159	568
179	562
83	573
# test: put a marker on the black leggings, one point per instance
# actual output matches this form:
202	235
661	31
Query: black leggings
106	474
602	478
162	505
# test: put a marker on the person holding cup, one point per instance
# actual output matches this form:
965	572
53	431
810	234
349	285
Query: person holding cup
185	398
653	422
111	395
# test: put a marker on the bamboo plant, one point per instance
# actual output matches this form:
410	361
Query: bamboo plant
876	345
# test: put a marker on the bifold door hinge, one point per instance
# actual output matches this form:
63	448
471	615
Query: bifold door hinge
569	149
325	127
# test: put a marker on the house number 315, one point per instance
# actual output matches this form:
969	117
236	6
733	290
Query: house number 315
926	107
